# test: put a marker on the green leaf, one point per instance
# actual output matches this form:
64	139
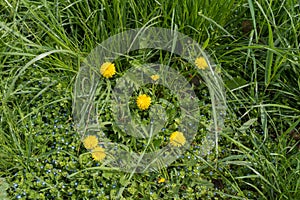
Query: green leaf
269	62
247	124
124	180
235	83
3	187
251	6
107	175
205	44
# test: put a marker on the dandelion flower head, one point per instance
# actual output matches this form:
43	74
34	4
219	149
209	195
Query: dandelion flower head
107	69
98	153
155	77
201	63
143	101
90	142
161	180
177	139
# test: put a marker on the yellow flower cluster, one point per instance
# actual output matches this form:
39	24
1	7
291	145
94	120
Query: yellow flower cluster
177	139
91	143
143	101
201	63
107	69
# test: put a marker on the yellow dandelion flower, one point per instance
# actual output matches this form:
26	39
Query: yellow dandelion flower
201	63
107	69
177	139
90	142
98	153
155	77
161	180
143	101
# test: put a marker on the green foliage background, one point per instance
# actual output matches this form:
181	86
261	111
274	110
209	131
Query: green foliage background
256	47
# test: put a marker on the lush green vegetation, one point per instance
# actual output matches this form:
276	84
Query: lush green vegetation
255	45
